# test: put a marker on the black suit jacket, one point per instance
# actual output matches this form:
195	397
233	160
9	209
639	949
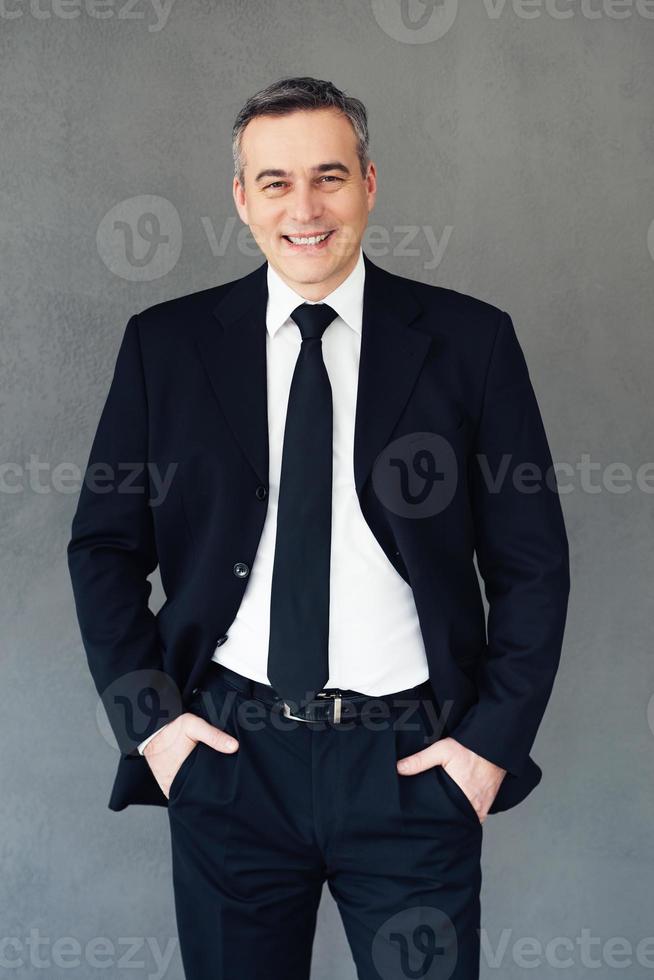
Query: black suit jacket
443	395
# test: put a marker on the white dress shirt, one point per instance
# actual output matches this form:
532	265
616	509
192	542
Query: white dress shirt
375	642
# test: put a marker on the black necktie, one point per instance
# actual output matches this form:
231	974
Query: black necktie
298	661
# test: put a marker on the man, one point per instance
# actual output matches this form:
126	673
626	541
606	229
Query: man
343	442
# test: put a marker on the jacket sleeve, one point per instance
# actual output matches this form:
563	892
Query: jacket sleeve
110	554
522	556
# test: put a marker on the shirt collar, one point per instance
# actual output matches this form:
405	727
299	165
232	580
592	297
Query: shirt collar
346	299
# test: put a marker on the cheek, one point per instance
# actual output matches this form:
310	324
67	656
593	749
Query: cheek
264	233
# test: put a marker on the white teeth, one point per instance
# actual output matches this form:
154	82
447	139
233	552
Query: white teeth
308	241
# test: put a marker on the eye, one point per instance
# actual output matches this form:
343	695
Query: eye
330	178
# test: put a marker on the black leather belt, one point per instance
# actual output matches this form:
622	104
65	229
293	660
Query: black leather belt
331	704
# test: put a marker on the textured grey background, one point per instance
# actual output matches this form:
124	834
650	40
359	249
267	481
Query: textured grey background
526	140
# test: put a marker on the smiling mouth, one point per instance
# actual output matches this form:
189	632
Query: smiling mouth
308	241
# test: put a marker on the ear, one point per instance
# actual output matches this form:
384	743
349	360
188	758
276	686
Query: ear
238	193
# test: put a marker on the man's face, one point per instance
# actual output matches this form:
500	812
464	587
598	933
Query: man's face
303	179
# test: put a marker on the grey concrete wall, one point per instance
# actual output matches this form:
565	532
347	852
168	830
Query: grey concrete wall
514	148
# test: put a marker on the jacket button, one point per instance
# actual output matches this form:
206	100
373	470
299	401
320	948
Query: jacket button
261	492
221	640
196	690
241	569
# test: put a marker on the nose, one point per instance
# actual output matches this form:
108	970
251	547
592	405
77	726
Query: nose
305	204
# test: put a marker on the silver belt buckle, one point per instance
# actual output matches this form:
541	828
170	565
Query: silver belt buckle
337	703
289	714
321	694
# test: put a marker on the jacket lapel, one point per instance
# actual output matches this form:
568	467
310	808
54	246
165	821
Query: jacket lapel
392	355
233	351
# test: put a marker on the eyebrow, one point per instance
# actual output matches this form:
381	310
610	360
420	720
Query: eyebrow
319	169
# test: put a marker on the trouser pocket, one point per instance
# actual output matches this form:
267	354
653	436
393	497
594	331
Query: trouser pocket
207	776
181	775
456	794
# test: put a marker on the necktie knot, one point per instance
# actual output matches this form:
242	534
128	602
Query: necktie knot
313	319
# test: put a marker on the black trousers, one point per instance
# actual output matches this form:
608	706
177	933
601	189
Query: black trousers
255	834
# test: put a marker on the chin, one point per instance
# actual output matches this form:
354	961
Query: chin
308	269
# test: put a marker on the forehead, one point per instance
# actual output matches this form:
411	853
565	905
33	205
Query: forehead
303	138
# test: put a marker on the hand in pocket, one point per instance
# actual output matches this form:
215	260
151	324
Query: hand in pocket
169	748
477	779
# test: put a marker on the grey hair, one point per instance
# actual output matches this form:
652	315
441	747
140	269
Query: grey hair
291	94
